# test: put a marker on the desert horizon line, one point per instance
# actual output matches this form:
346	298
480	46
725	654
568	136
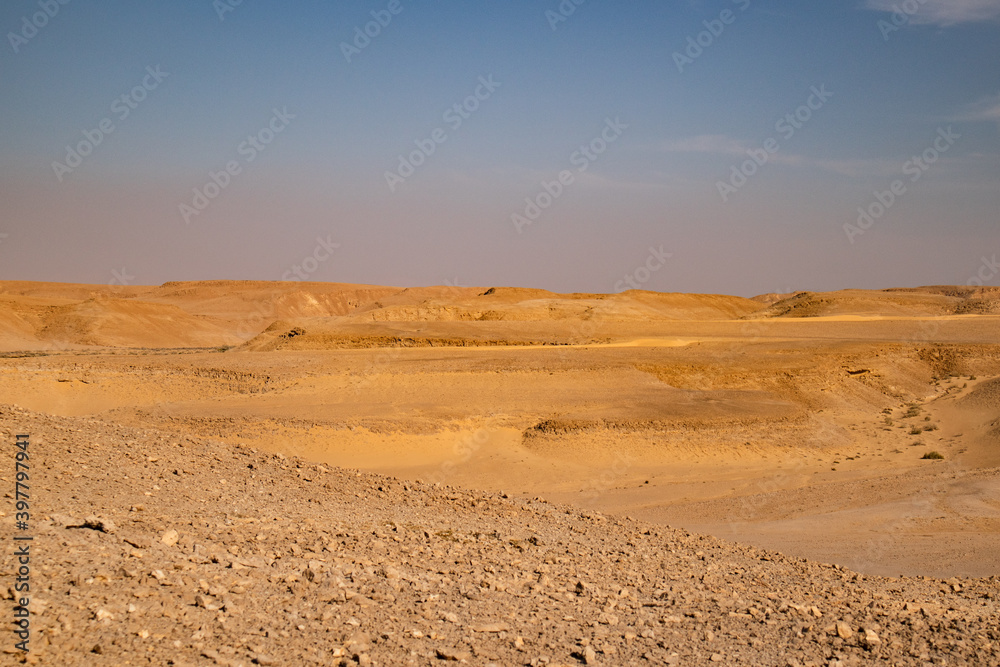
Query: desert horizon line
487	287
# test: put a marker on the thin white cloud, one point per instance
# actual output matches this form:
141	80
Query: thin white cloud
709	143
942	12
722	145
987	109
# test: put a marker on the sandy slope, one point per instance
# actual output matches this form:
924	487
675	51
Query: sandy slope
795	423
155	548
659	405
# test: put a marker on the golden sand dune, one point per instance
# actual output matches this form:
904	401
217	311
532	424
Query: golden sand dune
218	313
333	315
237	302
799	423
919	302
130	323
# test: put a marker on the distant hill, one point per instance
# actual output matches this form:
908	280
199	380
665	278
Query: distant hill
260	314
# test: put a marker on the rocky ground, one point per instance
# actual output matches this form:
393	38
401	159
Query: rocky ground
156	548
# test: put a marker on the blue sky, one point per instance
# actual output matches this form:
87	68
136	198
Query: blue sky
485	206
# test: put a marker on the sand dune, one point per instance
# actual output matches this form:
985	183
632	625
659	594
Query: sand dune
855	428
42	316
712	412
919	302
220	313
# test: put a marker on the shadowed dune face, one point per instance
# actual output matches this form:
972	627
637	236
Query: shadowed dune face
795	422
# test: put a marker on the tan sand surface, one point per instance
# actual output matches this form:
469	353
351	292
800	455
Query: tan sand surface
794	422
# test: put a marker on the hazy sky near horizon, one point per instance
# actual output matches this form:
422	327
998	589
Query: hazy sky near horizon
726	146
